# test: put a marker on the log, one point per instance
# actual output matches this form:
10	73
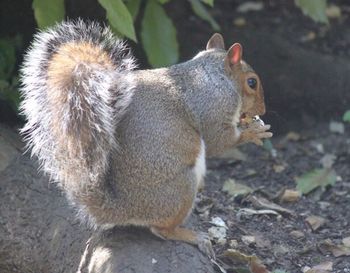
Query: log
39	231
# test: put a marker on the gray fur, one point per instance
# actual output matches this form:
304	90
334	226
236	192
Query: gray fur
143	127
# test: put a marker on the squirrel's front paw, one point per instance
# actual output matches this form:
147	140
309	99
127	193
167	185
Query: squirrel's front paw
255	132
204	244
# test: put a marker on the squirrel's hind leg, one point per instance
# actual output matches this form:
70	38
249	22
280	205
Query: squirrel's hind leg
200	239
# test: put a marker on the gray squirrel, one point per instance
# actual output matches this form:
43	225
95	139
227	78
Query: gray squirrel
128	146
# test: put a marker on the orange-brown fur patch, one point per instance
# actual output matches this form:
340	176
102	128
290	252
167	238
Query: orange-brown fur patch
69	56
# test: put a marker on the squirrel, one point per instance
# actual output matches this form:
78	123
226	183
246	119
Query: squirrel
128	146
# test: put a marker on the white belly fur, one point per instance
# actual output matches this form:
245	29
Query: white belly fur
200	166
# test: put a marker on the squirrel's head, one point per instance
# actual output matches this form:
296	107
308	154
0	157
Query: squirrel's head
248	82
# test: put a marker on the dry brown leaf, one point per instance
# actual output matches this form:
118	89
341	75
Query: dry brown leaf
297	234
324	267
290	196
315	222
337	250
293	136
261	202
256	266
278	168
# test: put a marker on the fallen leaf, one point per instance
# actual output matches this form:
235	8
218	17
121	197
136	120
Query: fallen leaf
290	196
346	116
328	266
264	203
297	234
240	22
314	179
250	6
278	168
256	266
248	211
217	221
336	250
235	189
325	267
293	136
310	36
336	127
315	222
333	11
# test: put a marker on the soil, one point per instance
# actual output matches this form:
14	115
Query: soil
275	244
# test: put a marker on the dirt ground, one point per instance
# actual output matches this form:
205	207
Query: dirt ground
276	242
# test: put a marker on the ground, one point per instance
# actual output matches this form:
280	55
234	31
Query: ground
275	244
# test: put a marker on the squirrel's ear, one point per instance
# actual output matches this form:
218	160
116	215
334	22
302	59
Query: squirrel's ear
234	54
216	41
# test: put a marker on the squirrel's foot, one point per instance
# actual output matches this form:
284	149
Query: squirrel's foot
200	239
254	133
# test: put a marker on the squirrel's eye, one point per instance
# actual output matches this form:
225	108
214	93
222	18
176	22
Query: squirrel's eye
252	83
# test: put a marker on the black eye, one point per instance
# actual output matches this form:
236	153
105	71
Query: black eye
252	83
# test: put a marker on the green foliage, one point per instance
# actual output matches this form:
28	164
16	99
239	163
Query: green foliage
209	2
316	9
346	116
158	33
133	7
200	10
316	178
7	58
9	83
158	36
48	12
119	17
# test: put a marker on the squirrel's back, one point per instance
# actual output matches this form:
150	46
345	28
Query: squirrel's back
76	86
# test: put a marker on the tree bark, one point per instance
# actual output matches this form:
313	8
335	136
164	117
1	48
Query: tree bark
40	233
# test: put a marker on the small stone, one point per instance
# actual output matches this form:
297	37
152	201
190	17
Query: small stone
233	243
336	127
248	239
154	261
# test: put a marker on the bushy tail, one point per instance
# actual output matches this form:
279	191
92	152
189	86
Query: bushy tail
76	85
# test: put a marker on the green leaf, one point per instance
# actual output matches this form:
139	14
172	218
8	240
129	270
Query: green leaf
48	12
209	2
133	7
119	17
316	9
7	58
346	116
163	1
236	189
159	36
316	178
200	10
